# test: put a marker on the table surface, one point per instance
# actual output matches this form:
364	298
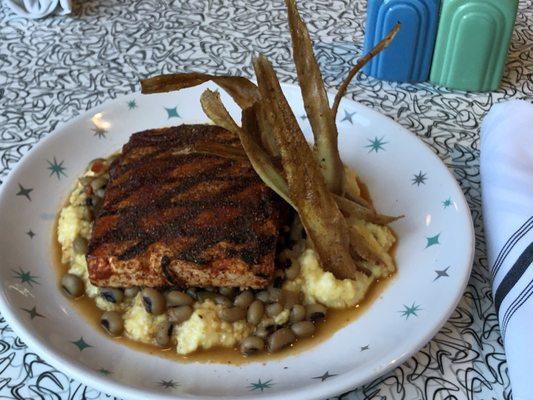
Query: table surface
59	67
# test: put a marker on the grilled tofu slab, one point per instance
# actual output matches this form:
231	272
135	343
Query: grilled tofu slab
172	217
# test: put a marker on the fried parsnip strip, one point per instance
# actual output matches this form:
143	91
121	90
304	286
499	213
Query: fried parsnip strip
365	245
221	150
352	190
242	90
359	200
324	223
347	207
356	210
264	121
316	102
260	160
360	64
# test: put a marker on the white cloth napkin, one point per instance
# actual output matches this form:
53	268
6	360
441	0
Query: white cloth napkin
507	186
39	8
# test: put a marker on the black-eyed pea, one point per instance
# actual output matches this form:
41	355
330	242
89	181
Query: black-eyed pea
72	285
255	312
223	300
264	296
303	329
179	314
298	313
177	298
252	345
280	339
112	295
112	323
232	314
80	245
229	292
316	312
244	299
162	336
154	302
273	309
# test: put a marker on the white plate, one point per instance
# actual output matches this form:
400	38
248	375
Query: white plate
434	259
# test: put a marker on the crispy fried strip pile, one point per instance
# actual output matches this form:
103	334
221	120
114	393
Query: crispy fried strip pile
310	179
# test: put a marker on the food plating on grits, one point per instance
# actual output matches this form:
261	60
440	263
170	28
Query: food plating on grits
295	303
200	237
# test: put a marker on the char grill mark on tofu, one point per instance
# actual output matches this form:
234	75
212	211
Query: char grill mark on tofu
174	218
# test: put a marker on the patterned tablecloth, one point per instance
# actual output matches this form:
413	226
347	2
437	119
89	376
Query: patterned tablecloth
59	67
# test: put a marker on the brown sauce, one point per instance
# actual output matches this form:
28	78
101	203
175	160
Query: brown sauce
336	319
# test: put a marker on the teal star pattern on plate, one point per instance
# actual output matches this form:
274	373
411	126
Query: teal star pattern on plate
376	144
56	168
81	344
410	311
31	234
172	112
365	348
99	132
104	371
260	385
25	277
303	117
24	192
325	376
132	104
348	116
419	179
441	273
432	240
32	312
447	203
168	384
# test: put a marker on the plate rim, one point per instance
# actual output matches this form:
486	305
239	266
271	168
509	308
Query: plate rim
344	383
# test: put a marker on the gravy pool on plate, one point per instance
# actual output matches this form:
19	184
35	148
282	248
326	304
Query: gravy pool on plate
295	303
